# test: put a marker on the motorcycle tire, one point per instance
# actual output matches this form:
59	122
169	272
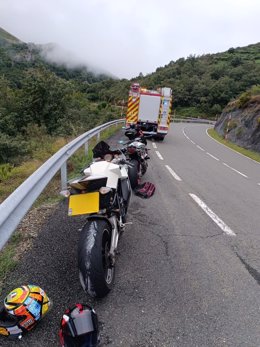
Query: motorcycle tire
144	167
96	272
133	173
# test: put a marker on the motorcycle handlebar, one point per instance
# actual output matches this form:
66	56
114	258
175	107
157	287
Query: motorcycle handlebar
123	161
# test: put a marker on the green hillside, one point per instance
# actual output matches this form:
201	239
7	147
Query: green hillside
16	57
6	38
202	85
39	99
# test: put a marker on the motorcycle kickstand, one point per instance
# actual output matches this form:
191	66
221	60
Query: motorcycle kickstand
122	225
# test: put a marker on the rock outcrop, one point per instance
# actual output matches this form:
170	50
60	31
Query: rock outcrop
241	123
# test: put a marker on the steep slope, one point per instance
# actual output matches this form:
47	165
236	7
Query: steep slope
16	57
7	38
240	121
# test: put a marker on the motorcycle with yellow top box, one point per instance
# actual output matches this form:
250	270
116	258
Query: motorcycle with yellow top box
103	193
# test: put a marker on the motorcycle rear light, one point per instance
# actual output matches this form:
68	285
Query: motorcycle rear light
104	190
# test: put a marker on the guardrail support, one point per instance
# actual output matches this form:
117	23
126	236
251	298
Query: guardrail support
86	148
63	176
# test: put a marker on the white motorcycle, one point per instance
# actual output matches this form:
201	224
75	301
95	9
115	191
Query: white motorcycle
103	194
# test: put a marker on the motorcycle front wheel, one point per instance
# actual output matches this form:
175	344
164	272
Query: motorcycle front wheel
96	272
133	173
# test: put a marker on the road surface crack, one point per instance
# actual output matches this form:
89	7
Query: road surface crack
253	272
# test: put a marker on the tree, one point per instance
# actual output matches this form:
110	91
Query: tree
45	99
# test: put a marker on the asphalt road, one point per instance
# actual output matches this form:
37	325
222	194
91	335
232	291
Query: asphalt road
188	272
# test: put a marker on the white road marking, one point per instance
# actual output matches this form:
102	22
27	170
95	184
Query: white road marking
240	173
159	155
202	149
183	131
154	145
213	216
173	173
222	144
187	137
212	156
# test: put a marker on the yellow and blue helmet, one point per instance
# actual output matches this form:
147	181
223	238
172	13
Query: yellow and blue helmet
23	308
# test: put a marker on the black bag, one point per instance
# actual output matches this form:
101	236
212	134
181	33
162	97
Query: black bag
101	149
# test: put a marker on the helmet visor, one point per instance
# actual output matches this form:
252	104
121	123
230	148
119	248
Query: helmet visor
82	322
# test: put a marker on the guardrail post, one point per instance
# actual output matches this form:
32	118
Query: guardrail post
86	148
98	136
63	174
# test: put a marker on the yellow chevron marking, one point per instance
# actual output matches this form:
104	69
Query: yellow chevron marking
132	109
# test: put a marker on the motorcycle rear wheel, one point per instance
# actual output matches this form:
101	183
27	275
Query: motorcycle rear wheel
144	166
96	272
133	173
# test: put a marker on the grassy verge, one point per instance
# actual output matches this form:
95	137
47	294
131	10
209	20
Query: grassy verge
7	258
22	238
251	154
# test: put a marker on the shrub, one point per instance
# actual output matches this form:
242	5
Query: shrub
255	90
11	149
243	99
239	132
5	171
232	124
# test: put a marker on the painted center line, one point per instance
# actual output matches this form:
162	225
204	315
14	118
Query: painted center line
240	173
159	155
154	145
187	137
202	149
213	216
173	173
212	156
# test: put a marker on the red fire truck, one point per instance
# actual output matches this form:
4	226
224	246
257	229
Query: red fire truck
150	109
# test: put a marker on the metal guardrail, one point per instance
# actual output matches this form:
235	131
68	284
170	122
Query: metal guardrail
14	208
193	120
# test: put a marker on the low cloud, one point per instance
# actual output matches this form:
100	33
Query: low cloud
55	53
126	38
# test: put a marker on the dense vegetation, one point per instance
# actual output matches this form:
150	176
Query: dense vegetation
201	85
39	98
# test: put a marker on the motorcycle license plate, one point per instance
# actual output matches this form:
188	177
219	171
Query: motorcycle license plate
83	203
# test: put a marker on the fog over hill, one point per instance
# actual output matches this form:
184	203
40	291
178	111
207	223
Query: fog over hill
50	52
126	38
54	53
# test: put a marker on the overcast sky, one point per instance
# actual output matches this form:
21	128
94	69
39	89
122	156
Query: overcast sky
129	37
